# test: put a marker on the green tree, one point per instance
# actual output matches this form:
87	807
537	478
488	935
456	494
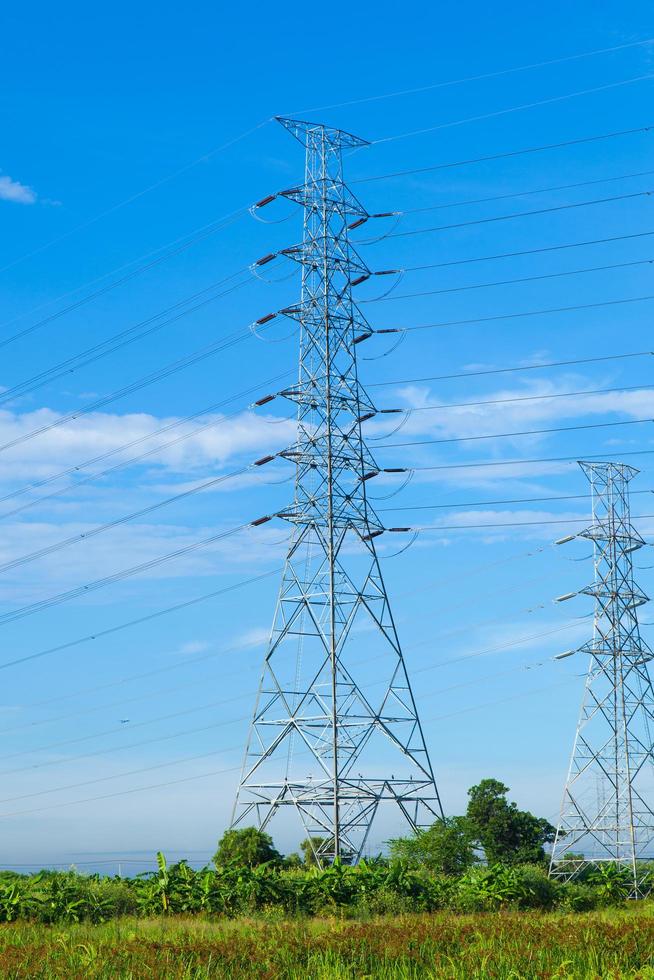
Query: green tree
506	834
446	847
310	847
246	847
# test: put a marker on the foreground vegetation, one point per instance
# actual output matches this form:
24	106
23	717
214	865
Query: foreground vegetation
374	888
468	897
506	946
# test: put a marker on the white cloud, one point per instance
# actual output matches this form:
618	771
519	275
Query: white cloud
256	636
192	646
121	548
97	433
13	190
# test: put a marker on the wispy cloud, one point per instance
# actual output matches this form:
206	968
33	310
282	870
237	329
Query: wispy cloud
185	449
13	190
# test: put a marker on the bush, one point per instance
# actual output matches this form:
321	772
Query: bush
577	897
274	891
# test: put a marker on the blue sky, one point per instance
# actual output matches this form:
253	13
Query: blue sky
113	123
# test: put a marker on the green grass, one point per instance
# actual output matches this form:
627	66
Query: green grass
501	945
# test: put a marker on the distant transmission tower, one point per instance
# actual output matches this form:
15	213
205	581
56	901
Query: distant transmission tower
324	742
606	814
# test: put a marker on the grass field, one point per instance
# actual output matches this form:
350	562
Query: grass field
502	945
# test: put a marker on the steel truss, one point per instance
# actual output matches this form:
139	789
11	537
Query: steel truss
322	742
606	813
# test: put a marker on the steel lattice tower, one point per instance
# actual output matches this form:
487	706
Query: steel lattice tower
606	814
320	742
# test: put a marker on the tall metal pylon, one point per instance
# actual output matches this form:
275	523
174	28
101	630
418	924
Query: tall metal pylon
606	813
325	741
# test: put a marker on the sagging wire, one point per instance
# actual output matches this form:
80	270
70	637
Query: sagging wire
396	554
263	320
388	496
406	414
255	208
387	272
270	282
394	346
397	215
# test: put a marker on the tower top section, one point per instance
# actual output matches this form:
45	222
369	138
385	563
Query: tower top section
308	132
607	471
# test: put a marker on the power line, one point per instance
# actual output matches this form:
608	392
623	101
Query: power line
174	248
519	641
505	154
121	339
82	536
509	435
115	748
134	442
92	709
520	214
90	782
514	316
513	194
514	108
523	398
123	519
184	605
120	576
529	251
512	368
171	368
111	731
203	658
472	78
522	462
135	196
218	772
495	503
96	708
125	792
542	523
231	700
509	282
119	775
179	422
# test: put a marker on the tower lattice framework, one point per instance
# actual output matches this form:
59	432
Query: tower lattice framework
335	732
606	813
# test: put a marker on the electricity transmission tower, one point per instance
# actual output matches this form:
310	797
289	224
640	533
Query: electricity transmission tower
335	732
606	813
